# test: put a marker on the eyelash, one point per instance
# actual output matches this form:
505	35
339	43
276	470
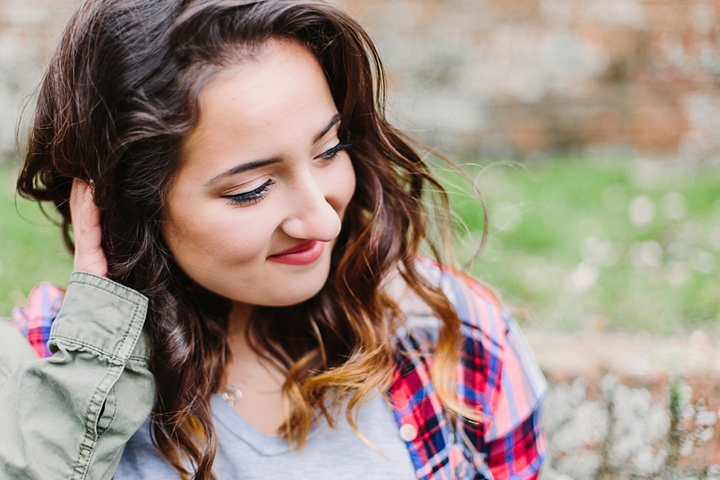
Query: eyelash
331	153
252	197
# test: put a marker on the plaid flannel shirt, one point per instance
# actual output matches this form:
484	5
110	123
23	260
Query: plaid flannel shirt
497	376
35	320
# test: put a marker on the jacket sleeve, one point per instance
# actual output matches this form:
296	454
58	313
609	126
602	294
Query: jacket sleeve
69	416
14	349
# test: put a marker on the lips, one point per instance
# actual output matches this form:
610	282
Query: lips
301	254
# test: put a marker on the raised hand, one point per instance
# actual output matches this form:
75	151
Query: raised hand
89	255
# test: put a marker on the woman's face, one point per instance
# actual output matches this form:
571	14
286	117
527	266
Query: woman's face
257	203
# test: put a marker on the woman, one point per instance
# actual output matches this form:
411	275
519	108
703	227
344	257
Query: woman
246	229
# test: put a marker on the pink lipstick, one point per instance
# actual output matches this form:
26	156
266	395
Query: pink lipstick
303	253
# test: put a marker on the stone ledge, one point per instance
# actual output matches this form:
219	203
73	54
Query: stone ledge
624	406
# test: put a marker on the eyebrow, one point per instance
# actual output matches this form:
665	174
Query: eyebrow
269	161
333	121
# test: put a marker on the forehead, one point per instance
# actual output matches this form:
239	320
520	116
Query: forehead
273	75
262	106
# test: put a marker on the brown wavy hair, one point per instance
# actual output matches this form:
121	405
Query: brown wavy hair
121	93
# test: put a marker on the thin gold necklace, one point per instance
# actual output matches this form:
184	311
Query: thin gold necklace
232	393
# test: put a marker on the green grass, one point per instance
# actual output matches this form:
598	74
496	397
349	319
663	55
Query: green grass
31	248
562	248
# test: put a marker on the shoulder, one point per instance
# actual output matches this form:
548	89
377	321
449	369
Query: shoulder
484	323
482	316
14	349
498	372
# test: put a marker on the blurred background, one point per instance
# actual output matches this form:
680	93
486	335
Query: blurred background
591	126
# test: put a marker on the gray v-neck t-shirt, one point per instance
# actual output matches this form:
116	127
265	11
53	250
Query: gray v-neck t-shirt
246	453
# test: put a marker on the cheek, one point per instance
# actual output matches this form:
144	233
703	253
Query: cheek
216	238
345	186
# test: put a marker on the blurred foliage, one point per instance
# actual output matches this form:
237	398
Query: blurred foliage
573	244
31	248
599	245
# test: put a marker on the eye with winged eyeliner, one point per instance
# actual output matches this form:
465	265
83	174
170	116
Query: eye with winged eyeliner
330	153
250	198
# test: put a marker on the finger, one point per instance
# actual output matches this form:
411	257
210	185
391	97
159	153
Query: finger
77	194
85	216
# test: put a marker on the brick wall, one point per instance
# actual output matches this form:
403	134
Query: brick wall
497	77
624	406
526	77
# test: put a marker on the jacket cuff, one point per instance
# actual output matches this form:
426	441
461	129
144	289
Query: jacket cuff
103	316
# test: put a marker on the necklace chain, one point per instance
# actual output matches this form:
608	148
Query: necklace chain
232	393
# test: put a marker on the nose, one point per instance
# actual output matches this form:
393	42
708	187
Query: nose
311	216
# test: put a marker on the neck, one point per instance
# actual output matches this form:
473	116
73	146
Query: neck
237	338
261	383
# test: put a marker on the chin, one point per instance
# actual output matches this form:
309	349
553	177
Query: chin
304	290
290	299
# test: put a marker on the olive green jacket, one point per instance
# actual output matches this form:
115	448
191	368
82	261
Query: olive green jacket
97	384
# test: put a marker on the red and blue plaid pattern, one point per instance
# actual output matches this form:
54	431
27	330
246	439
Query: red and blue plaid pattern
497	377
35	320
